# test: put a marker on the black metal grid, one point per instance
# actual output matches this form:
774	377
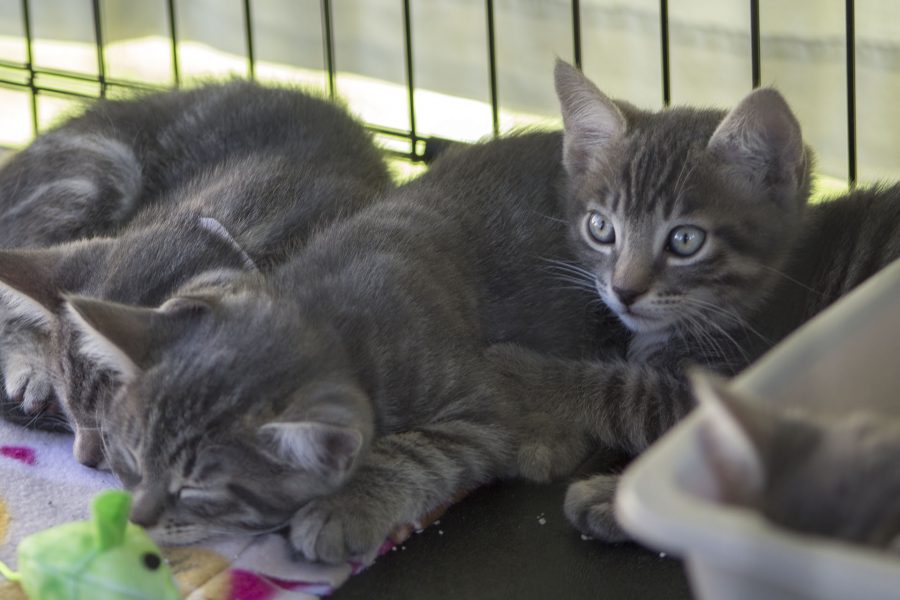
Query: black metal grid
39	81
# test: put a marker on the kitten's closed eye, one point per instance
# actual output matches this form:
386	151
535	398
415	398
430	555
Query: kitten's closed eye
190	495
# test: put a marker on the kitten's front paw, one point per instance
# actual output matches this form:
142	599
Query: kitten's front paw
337	528
590	506
30	388
549	449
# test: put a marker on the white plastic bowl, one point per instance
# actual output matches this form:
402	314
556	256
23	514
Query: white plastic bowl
849	354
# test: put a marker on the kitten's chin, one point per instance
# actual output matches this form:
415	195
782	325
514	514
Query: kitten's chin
643	325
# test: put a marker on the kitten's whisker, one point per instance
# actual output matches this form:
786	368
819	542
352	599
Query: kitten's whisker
737	346
43	416
792	280
709	340
558	265
572	287
678	180
737	319
695	330
680	189
577	280
689	328
572	274
550	218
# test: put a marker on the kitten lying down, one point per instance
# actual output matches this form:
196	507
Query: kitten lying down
824	475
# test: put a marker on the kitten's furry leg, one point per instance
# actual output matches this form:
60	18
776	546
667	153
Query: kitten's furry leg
590	507
550	448
404	477
619	403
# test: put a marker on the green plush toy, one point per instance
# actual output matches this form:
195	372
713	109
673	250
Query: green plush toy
106	558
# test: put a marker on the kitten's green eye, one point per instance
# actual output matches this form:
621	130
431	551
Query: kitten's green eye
600	228
686	240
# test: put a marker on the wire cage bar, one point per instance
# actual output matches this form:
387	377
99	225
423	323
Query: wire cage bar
850	16
98	42
756	71
38	80
664	49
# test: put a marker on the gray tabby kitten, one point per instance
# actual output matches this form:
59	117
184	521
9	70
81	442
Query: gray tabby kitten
84	178
690	226
825	475
346	392
243	175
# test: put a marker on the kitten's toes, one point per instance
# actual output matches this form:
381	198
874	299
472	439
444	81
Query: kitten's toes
39	396
31	390
541	462
590	507
324	531
535	463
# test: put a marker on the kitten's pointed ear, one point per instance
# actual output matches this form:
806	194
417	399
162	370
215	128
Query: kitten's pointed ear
760	144
735	436
326	449
213	283
125	338
28	284
217	229
591	120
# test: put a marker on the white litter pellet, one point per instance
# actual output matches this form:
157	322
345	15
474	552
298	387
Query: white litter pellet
586	538
440	532
662	554
542	521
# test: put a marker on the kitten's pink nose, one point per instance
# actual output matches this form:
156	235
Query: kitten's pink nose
88	448
626	296
147	507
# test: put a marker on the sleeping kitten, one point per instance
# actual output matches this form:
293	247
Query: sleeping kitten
690	226
260	170
346	392
81	179
825	475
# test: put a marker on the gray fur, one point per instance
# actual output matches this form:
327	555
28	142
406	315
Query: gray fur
832	475
766	267
346	392
269	166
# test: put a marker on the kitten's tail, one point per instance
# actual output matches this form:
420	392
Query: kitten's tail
9	573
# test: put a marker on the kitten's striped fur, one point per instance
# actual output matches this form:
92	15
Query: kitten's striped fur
347	392
230	176
765	268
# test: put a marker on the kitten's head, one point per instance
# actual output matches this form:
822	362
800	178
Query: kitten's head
32	344
682	212
822	475
141	267
233	411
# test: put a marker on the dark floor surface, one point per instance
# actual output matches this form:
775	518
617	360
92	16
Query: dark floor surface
492	545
